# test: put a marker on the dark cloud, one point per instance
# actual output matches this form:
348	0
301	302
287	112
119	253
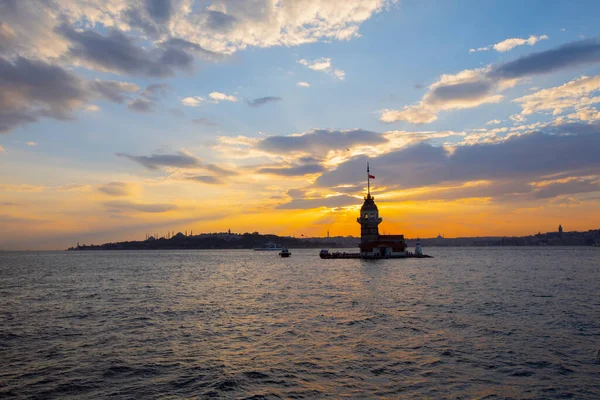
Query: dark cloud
211	180
515	190
141	105
505	190
293	171
179	160
569	149
116	189
8	219
348	189
119	53
8	38
460	91
204	121
320	141
262	101
32	89
570	55
184	45
159	10
156	90
124	205
113	90
138	18
219	21
12	118
176	112
329	202
570	187
155	161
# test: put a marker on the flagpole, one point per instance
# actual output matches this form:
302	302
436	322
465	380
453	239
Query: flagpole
368	182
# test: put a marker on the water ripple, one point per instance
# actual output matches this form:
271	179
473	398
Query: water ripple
477	323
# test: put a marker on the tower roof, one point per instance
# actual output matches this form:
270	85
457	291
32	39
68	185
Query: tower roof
369	204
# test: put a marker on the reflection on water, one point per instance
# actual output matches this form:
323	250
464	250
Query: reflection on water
469	323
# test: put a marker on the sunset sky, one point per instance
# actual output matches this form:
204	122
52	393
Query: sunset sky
120	118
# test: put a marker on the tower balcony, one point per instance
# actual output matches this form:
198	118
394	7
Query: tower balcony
362	220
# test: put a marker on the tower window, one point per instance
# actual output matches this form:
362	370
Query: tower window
372	215
366	216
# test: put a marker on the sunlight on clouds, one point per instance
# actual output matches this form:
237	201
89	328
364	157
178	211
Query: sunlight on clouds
192	101
324	65
466	89
222	97
509	44
576	94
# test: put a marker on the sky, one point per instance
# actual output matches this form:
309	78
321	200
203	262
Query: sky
125	118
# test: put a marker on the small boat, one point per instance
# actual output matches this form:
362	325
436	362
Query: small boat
285	253
269	247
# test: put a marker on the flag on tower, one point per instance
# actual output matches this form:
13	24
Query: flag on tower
371	176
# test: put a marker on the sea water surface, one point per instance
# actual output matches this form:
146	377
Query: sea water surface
471	323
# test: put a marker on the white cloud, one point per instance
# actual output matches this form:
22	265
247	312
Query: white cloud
92	107
339	74
416	114
192	101
517	118
493	122
466	89
32	144
2	149
303	84
323	64
509	44
576	94
585	114
222	97
227	26
215	97
479	49
29	28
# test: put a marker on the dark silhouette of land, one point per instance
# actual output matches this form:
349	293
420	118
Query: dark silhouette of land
228	240
219	241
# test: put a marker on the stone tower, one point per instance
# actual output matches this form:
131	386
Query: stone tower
369	221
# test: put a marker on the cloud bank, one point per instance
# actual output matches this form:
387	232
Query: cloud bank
472	88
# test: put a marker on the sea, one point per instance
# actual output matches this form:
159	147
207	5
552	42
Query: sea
470	323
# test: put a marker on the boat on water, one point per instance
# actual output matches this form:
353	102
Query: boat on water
269	247
285	253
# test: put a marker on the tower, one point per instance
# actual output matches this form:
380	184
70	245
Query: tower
369	219
560	231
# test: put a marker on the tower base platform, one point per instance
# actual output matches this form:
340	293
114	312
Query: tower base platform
335	255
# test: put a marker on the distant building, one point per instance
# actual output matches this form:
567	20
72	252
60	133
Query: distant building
560	231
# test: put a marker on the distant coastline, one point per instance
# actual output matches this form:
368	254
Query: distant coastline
220	241
228	240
